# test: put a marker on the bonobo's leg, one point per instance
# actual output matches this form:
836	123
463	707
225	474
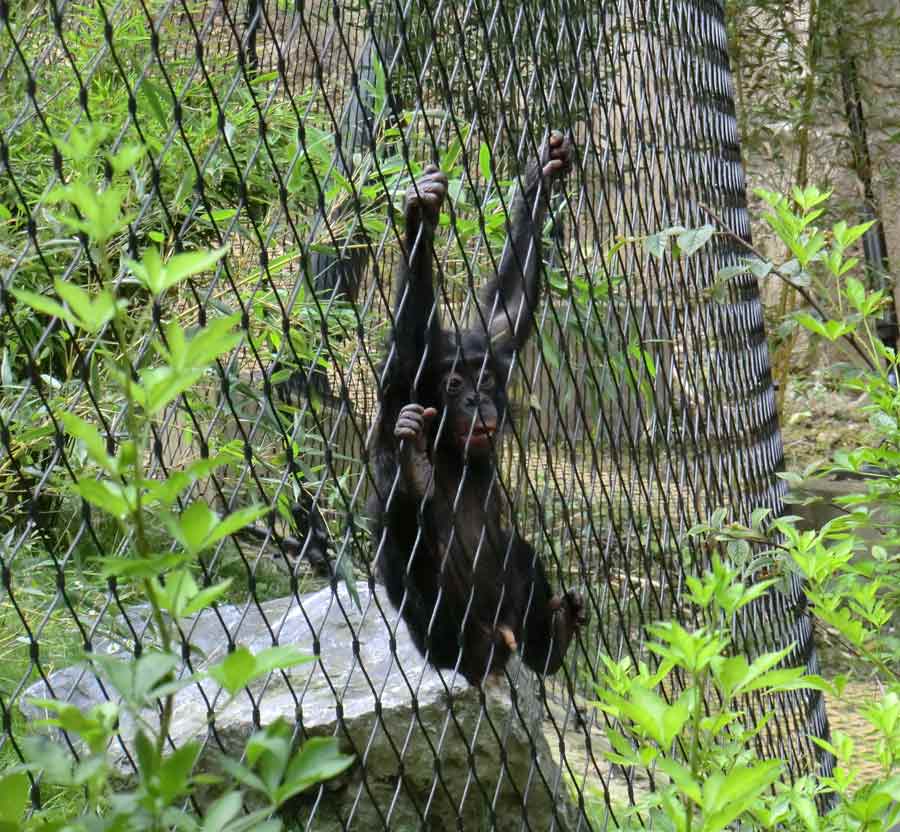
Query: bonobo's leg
551	620
416	472
508	301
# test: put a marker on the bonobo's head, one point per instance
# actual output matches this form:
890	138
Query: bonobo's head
472	390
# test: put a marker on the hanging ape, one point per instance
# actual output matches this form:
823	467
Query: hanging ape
470	591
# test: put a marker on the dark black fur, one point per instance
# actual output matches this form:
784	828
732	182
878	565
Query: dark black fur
470	591
310	539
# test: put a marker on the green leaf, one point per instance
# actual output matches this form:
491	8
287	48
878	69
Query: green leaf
194	526
234	522
158	277
217	815
153	96
101	211
222	811
855	293
241	667
694	239
318	759
484	161
139	568
90	437
160	386
135	680
241	774
655	245
681	776
14	789
187	264
831	330
343	568
52	758
147	755
93	312
108	496
180	596
45	305
845	236
176	769
727	273
204	346
127	157
760	268
726	797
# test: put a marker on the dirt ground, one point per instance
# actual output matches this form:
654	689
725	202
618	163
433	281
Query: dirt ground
819	420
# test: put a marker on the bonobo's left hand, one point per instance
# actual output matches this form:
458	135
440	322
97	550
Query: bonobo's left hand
556	156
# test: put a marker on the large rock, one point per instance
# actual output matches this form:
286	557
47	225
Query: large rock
432	752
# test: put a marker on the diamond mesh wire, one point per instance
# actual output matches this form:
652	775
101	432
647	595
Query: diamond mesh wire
286	131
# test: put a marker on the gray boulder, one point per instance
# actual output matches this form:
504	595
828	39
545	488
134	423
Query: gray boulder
432	752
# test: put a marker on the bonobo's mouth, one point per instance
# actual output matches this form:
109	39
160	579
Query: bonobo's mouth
480	436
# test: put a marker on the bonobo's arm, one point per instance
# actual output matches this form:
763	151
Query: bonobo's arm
416	330
509	300
414	303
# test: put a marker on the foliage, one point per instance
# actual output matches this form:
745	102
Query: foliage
115	482
686	716
815	92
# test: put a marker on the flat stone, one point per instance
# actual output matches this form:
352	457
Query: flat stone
433	753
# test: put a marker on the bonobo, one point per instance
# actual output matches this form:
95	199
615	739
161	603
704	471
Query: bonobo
470	591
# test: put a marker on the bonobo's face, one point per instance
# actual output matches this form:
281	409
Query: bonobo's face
473	397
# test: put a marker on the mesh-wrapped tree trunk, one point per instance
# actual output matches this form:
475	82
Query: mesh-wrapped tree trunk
288	133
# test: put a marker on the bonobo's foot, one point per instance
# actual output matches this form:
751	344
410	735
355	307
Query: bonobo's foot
572	615
508	637
556	156
426	195
412	427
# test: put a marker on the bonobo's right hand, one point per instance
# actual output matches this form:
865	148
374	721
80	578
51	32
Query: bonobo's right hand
412	425
556	156
426	195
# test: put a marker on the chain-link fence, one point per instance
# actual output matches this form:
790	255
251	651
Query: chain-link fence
288	132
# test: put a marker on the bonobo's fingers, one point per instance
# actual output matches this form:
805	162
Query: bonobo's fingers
427	193
576	609
557	155
409	422
412	424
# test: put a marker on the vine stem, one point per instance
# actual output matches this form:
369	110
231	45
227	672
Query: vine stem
142	546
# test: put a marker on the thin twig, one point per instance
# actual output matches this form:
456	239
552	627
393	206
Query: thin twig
849	336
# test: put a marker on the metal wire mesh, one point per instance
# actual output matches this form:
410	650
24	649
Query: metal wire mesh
286	131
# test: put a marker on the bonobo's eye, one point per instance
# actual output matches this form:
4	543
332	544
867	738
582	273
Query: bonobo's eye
454	384
487	382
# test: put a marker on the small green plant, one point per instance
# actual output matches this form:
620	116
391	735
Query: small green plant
114	482
685	716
